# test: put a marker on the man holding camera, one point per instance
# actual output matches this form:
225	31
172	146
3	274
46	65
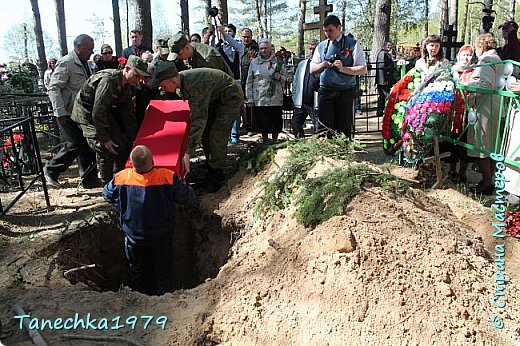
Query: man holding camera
338	59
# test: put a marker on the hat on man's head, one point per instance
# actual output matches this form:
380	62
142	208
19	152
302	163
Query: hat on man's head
163	71
162	42
138	64
177	42
510	23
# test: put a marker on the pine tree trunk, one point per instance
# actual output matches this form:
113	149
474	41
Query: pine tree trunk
222	11
464	21
40	46
185	17
427	16
454	8
207	17
261	32
143	20
267	33
300	49
343	12
444	16
60	21
486	5
117	27
127	23
381	27
512	9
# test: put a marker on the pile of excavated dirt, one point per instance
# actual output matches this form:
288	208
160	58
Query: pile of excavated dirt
396	269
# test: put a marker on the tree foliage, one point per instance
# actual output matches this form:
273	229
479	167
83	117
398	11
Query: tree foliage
281	21
13	43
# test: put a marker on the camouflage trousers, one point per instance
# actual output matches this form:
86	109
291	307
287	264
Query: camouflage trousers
216	133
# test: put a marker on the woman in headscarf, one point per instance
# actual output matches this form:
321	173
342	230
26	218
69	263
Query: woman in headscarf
264	91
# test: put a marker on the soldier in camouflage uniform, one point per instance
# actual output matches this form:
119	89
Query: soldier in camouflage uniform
94	113
207	91
196	54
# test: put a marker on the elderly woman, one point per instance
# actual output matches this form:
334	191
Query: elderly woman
487	107
108	60
51	65
264	91
431	56
458	153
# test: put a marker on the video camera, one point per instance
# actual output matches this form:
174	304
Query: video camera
334	58
213	11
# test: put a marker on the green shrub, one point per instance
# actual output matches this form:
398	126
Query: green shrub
328	195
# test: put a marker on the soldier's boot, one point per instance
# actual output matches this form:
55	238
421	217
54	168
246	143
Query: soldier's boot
213	180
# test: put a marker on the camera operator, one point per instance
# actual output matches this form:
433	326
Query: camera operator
338	59
232	50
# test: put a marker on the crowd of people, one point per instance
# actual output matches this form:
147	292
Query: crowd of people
482	134
229	83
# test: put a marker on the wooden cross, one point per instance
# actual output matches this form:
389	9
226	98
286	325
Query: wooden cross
323	9
449	36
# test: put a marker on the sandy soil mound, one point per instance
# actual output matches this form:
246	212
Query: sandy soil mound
395	270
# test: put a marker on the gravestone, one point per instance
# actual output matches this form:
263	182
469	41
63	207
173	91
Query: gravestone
323	9
448	41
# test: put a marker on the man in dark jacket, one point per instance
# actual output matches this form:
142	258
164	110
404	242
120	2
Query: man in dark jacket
303	96
146	198
137	47
510	51
384	76
250	53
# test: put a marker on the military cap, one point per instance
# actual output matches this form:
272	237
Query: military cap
138	64
162	42
163	71
177	42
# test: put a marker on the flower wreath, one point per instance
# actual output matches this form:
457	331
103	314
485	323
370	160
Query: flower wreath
427	113
395	110
282	57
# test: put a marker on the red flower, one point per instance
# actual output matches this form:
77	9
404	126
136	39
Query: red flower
122	62
513	224
18	138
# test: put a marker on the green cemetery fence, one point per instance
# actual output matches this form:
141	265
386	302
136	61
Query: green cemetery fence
500	131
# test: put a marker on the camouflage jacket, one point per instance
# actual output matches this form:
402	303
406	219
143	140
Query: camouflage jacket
207	56
92	107
206	88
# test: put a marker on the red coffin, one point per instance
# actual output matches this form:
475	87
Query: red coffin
164	131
